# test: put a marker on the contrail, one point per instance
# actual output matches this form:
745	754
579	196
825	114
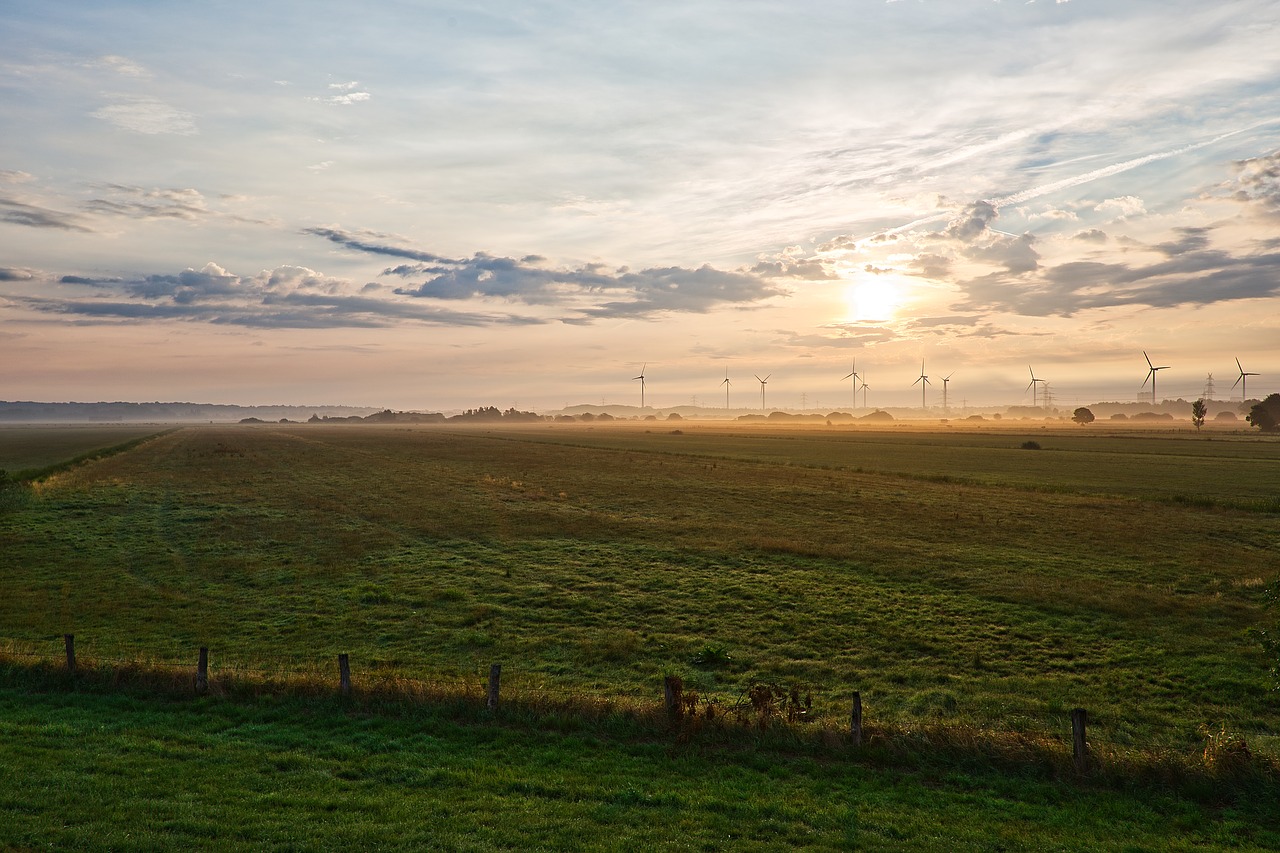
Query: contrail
1105	171
1067	183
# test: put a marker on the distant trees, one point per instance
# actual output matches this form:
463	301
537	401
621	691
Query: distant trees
1082	416
1198	412
1266	415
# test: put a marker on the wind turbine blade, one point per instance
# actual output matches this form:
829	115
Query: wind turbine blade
1237	382
1147	357
1238	366
766	379
757	376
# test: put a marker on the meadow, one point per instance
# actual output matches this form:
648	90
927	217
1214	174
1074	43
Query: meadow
958	582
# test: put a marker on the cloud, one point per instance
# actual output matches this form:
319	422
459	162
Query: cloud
1257	182
1189	276
589	292
1124	207
286	297
124	66
361	242
12	274
17	212
147	116
139	203
1091	235
349	95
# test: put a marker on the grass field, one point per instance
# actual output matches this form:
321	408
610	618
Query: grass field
952	579
30	448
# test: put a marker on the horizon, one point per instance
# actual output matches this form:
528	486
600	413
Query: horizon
523	206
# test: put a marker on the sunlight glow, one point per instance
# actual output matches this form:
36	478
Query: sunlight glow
874	299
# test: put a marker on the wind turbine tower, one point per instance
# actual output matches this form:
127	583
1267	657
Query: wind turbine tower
854	374
1240	380
763	382
924	383
945	408
865	386
726	383
641	378
1032	385
1151	374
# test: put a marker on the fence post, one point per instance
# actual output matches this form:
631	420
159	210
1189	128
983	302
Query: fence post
672	692
855	719
70	640
202	672
1079	746
495	677
344	674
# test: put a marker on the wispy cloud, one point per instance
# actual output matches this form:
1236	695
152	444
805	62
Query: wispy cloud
140	114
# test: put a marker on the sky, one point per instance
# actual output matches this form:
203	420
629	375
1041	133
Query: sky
433	206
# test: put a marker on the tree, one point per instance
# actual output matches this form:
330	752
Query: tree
1266	415
1198	412
1082	416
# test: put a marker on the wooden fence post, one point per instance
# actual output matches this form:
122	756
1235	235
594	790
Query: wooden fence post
672	692
495	677
855	719
70	640
1079	746
344	674
202	672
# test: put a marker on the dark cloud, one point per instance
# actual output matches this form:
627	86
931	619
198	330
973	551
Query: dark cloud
12	274
139	203
362	244
20	213
1188	240
589	291
287	297
1191	278
1093	235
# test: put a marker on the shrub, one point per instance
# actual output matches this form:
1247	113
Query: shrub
1030	445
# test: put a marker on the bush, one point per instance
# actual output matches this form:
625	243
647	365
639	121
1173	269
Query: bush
1030	445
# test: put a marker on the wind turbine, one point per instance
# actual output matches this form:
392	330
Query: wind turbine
945	380
924	382
641	378
865	386
1151	374
853	373
763	382
1032	386
726	383
1240	380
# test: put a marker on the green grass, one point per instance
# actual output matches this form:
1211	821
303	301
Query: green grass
31	448
954	587
121	770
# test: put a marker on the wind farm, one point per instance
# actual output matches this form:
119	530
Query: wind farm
335	513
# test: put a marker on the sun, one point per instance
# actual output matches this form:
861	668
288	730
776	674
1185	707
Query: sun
874	299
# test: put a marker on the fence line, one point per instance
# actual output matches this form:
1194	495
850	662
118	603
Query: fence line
768	702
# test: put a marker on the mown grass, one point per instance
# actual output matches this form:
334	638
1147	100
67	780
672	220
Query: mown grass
593	562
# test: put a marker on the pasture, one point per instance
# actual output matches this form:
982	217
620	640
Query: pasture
26	448
953	579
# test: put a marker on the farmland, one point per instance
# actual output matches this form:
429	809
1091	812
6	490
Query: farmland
953	579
